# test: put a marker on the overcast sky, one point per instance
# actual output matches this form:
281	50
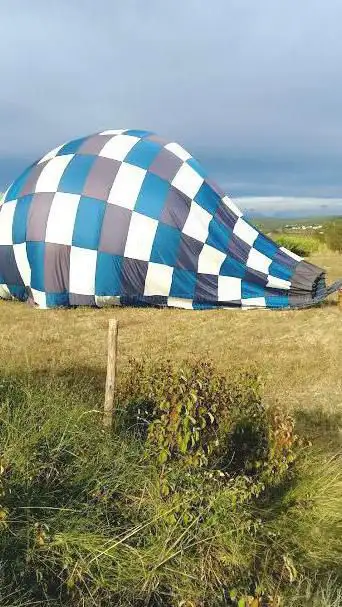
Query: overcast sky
253	88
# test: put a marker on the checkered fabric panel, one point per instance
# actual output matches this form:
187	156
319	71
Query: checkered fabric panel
124	217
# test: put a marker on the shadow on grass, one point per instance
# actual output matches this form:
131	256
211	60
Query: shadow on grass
72	378
323	428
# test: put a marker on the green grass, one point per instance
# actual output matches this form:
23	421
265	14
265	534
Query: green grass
84	522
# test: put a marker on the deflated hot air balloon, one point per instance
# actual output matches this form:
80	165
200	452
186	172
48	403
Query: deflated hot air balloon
124	217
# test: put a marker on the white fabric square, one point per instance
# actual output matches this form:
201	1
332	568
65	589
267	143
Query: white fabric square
82	271
4	292
197	223
230	204
21	259
291	254
229	288
246	232
6	222
140	237
179	302
51	154
126	187
254	302
177	150
113	132
49	179
3	196
187	180
118	147
61	220
210	260
258	261
158	279
277	283
103	301
39	297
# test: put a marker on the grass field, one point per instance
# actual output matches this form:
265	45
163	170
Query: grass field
84	516
298	353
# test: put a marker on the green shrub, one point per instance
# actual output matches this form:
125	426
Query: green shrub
196	418
333	236
303	246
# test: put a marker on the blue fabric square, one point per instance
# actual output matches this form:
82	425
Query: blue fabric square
20	219
72	147
143	153
165	245
183	283
280	271
36	258
108	274
18	292
88	223
56	300
249	289
197	167
219	235
207	198
152	196
266	246
277	301
233	267
17	186
137	133
197	305
75	174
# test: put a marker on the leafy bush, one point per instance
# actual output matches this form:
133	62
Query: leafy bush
196	418
239	511
304	246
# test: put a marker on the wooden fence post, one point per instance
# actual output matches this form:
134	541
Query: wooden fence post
340	299
111	373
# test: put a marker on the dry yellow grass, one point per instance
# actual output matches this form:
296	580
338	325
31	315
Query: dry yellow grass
298	353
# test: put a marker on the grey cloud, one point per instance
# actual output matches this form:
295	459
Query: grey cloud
230	79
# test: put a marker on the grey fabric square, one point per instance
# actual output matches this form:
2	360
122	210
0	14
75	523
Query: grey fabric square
166	165
282	258
81	300
156	139
239	249
133	277
115	228
159	301
56	268
176	209
38	216
188	253
101	178
206	288
255	277
31	182
9	273
94	144
226	216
